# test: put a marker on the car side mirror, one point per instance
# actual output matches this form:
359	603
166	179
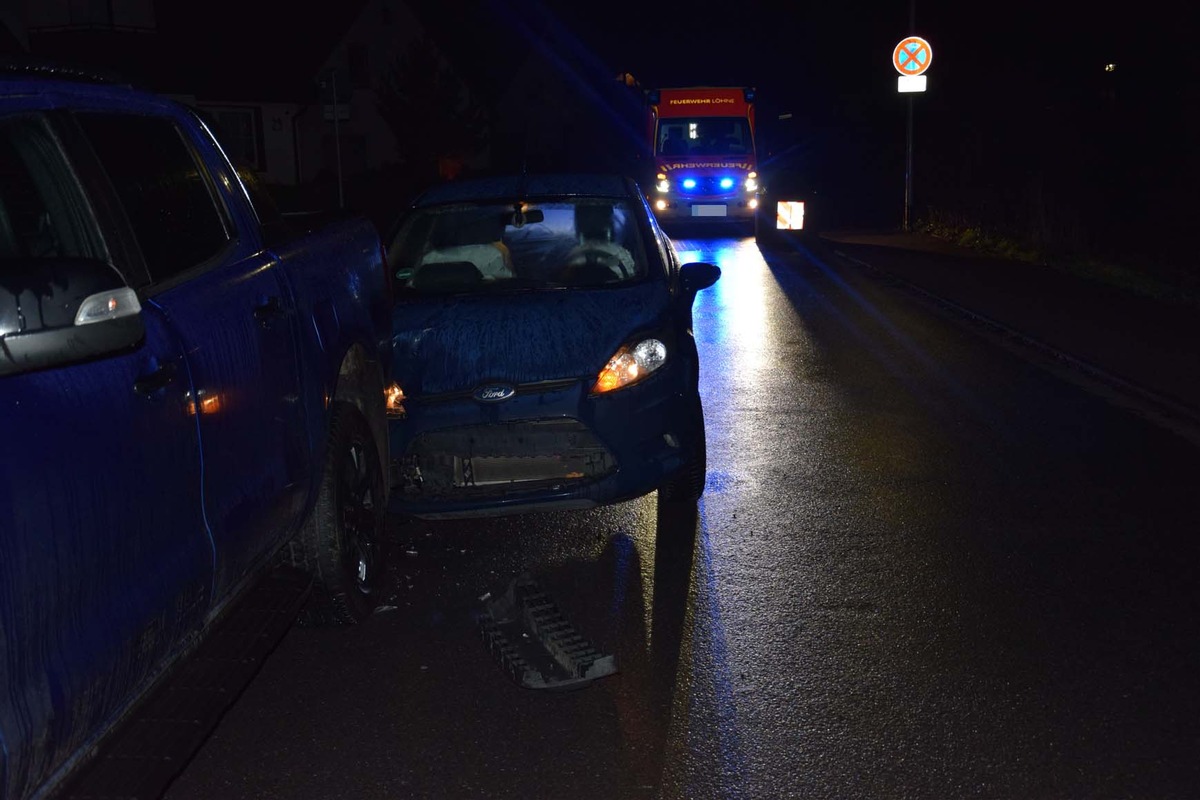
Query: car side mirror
64	310
698	275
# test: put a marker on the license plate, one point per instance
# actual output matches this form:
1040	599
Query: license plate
708	210
492	470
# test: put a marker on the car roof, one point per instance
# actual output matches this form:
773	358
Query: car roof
513	187
49	84
30	68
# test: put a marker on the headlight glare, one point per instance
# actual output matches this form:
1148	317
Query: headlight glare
663	186
630	365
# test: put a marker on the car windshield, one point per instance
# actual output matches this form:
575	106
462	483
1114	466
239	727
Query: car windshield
704	136
571	242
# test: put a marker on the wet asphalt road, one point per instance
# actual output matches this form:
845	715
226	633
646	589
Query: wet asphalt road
923	567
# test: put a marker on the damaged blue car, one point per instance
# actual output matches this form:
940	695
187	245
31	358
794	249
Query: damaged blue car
543	354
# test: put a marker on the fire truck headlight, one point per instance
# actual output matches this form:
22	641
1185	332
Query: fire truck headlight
663	186
726	183
751	183
661	205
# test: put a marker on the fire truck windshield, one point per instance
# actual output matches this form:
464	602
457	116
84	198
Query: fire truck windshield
703	136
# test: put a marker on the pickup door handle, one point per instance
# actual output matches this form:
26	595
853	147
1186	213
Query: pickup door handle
268	309
158	379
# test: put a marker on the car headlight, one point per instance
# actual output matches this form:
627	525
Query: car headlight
631	364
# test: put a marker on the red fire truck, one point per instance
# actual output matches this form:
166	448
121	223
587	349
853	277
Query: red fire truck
702	139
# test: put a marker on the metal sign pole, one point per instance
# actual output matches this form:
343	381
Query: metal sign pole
911	58
908	149
908	170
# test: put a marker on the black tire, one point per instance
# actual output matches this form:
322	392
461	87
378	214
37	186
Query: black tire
342	544
687	484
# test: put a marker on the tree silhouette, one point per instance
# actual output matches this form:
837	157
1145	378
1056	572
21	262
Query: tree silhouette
438	126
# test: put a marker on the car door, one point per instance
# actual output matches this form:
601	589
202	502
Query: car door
105	560
229	300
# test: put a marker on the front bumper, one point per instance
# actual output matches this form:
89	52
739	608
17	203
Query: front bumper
549	446
733	208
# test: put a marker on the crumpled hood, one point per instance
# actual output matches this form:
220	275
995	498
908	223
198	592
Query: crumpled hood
455	343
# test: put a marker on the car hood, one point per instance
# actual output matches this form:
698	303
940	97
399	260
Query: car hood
450	344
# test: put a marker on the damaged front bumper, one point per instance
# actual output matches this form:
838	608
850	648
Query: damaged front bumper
550	446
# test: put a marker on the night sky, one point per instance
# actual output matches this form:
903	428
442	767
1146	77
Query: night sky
828	54
1021	73
830	50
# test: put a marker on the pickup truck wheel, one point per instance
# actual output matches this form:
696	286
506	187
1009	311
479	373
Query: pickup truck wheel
342	543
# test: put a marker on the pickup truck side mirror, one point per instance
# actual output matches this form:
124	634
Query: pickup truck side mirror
64	310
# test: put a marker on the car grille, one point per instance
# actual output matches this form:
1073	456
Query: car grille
494	460
538	387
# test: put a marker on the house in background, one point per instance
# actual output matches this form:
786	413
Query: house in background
269	77
347	130
259	69
552	102
13	40
151	44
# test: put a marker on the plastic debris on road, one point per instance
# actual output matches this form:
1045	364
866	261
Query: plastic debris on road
535	643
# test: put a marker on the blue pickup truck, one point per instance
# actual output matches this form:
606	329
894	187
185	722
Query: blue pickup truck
191	392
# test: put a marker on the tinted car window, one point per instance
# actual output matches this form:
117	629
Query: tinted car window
576	241
42	212
275	227
164	191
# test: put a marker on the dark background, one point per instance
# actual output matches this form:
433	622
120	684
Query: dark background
1022	134
1022	130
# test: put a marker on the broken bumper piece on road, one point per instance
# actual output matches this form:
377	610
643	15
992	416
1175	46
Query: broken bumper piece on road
535	643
